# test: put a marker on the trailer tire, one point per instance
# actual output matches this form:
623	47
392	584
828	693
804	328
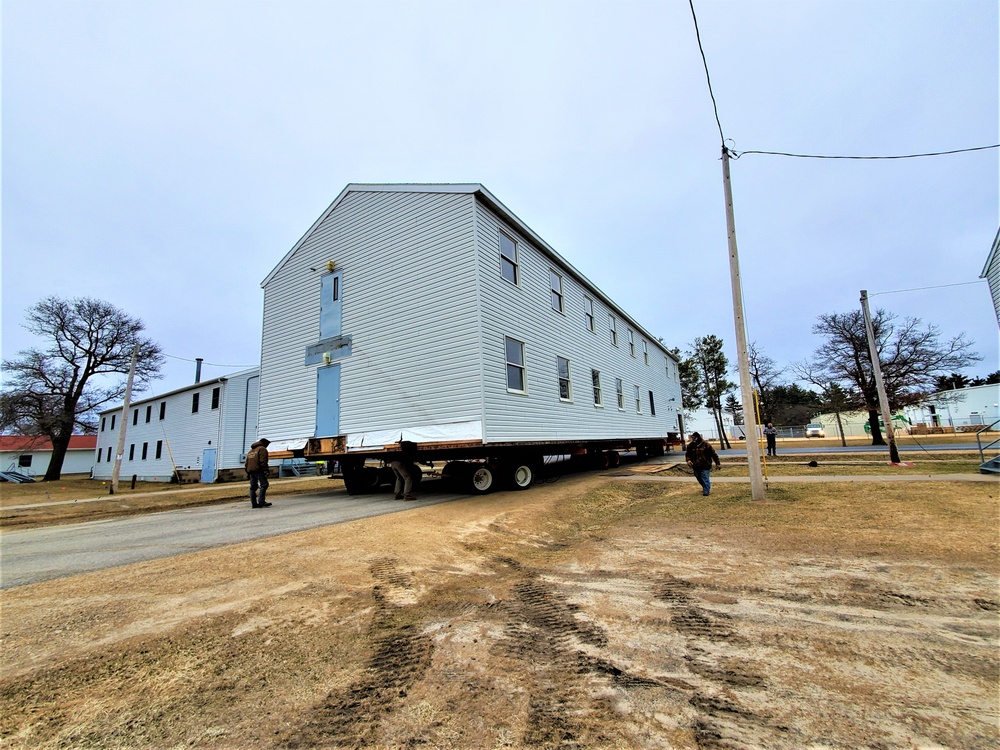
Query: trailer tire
521	475
371	480
482	479
600	461
614	459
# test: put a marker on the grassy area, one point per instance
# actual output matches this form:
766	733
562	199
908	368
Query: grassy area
78	498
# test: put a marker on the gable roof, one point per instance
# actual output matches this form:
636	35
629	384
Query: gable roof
994	252
480	192
28	443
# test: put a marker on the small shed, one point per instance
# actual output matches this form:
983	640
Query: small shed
201	431
31	455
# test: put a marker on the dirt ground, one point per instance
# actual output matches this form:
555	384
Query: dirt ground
594	612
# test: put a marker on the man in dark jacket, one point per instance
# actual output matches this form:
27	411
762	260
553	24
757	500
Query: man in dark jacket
700	455
258	470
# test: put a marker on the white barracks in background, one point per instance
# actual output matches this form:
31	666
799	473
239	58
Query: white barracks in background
432	313
203	431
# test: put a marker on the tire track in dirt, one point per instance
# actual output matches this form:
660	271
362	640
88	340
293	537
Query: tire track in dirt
351	717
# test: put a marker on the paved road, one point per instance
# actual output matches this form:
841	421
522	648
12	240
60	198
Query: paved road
33	555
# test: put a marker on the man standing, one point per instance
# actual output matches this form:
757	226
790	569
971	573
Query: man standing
700	455
406	471
772	438
258	470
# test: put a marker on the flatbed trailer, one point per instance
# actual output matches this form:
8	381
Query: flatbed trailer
481	467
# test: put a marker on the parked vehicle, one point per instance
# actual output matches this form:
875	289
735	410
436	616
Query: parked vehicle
815	430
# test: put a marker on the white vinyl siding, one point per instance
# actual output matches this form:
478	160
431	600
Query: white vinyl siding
408	304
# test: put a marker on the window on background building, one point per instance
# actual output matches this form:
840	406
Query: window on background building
614	330
149	412
102	423
215	397
135	417
113	421
24	461
145	450
556	290
99	452
631	342
588	313
638	401
131	452
109	454
652	406
620	393
595	377
159	448
562	368
163	409
195	397
645	352
508	258
514	351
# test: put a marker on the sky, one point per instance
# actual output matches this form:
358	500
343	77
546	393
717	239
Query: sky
164	155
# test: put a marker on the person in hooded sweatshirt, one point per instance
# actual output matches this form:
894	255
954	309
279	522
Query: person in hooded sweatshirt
258	471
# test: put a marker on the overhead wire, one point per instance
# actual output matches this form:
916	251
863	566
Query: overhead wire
923	288
704	61
738	154
211	364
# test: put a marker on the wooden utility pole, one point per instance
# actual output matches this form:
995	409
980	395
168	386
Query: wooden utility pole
746	384
883	399
120	450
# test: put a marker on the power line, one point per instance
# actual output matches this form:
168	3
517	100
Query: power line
922	288
900	156
211	364
708	78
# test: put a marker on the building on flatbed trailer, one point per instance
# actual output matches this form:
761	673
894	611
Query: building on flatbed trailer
200	433
432	314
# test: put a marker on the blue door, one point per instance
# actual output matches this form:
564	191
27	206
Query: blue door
328	401
208	465
329	305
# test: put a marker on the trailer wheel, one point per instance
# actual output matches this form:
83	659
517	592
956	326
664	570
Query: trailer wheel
482	479
600	461
370	479
614	459
522	475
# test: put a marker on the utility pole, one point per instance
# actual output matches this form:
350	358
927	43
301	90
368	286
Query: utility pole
883	399
120	450
746	384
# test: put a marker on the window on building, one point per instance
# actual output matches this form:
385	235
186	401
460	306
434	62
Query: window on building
620	393
163	409
159	448
631	342
113	421
515	364
131	452
145	449
562	368
103	419
135	417
195	397
595	377
109	454
588	313
149	412
638	401
508	258
99	452
645	352
556	291
24	460
652	406
614	330
216	392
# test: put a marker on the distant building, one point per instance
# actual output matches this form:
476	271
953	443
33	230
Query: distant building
31	455
202	431
959	410
991	272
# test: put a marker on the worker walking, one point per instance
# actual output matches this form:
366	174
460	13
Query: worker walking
699	456
258	471
405	470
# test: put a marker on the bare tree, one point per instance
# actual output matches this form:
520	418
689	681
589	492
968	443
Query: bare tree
55	392
766	375
911	354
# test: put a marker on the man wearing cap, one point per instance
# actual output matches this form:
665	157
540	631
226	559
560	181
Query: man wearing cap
699	455
258	470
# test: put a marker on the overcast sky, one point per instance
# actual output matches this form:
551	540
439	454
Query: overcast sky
165	155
